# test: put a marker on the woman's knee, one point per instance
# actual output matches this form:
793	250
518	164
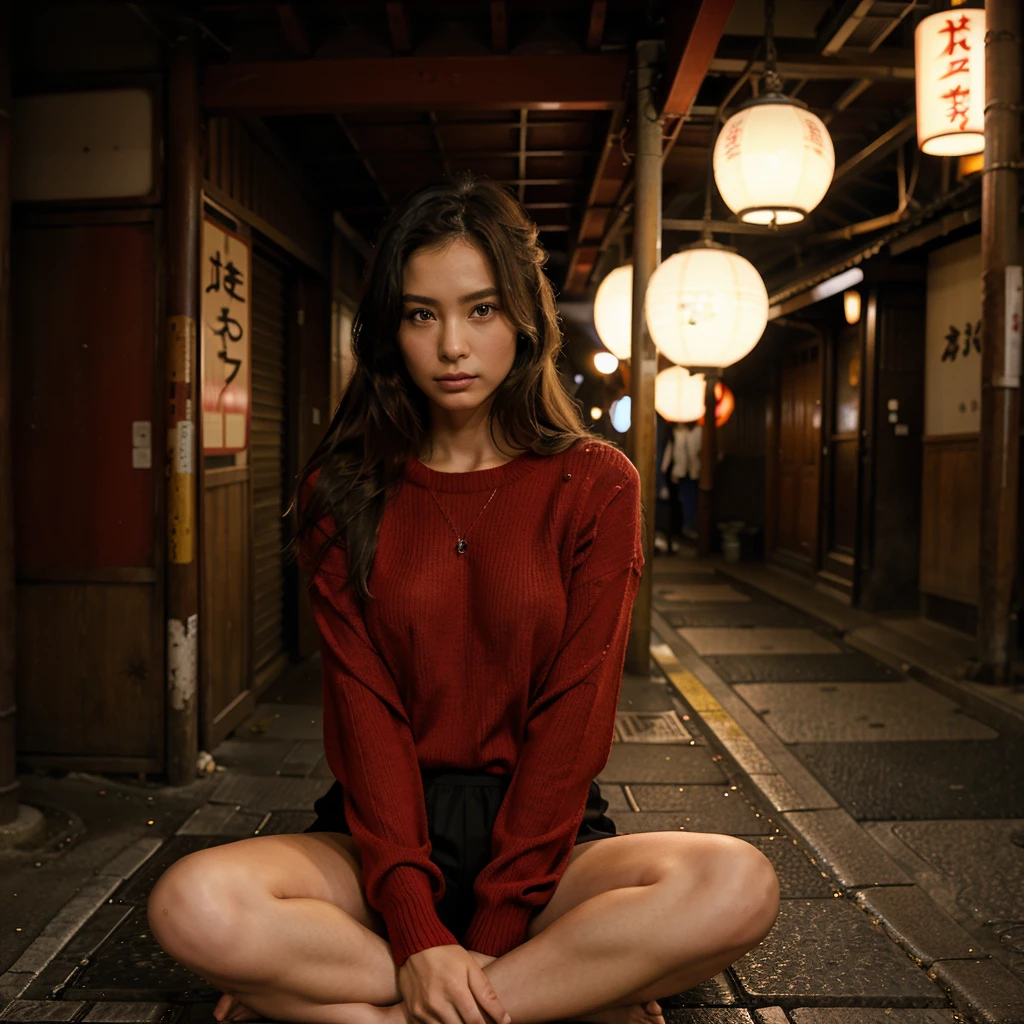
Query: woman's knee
752	889
197	912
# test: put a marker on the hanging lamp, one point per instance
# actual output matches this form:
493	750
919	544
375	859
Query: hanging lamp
774	160
613	311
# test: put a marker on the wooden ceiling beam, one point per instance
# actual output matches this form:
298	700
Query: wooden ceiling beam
566	82
293	25
692	34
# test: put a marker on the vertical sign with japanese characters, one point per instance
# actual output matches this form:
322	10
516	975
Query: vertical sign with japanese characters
226	350
949	66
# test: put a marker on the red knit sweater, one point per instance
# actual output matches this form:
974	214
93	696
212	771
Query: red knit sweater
505	659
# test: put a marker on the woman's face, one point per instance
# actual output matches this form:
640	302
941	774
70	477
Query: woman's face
452	324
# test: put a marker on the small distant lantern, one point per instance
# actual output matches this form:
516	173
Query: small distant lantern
706	306
679	394
605	362
725	403
851	305
613	311
619	413
595	412
949	67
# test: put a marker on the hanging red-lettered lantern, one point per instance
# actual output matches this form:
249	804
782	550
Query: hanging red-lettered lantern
725	402
949	67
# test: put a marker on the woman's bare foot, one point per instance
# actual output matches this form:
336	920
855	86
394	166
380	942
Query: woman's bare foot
635	1013
228	1009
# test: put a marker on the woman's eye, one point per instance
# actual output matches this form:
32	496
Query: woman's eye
484	309
415	315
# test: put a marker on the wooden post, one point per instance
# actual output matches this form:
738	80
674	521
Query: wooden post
8	743
1001	339
182	369
643	356
708	458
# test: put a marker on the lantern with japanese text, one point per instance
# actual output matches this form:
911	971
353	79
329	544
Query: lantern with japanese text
706	306
613	311
949	63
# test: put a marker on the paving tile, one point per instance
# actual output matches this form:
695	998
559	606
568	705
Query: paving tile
286	822
702	816
783	797
770	1015
133	967
129	1013
255	793
322	770
828	953
991	886
54	977
635	762
984	989
220	820
41	1010
708	1015
758	640
856	712
302	758
616	798
710	593
717	991
844	849
96	930
852	667
753	613
870	1015
704	803
13	985
283	722
798	875
921	927
645	695
257	755
926	779
650	727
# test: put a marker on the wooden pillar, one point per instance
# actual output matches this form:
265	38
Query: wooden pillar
183	175
643	356
708	458
8	741
1001	339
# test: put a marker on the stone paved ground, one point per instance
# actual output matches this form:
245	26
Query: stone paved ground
890	815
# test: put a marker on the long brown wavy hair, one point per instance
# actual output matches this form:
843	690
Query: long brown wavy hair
383	417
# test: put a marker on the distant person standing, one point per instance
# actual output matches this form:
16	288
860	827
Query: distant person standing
681	464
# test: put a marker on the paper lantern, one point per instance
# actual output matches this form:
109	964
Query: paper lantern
679	394
605	362
949	68
613	312
851	305
773	161
706	306
725	403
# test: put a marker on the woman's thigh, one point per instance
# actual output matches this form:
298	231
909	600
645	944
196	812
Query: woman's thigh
628	860
316	865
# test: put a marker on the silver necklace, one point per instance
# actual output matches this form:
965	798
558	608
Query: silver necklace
460	547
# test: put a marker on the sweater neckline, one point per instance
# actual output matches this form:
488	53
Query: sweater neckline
474	479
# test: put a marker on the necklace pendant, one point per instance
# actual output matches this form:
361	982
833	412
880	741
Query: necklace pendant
460	547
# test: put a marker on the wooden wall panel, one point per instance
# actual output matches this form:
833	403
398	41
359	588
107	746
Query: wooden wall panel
950	493
227	604
89	682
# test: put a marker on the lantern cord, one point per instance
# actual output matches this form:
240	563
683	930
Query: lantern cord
770	80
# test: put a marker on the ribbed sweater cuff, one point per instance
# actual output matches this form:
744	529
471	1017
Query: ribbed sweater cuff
498	930
407	906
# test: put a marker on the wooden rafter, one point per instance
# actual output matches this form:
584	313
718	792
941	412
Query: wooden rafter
398	24
438	145
293	26
523	129
352	141
499	26
568	82
595	24
692	36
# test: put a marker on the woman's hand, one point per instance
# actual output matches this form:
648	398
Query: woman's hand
447	985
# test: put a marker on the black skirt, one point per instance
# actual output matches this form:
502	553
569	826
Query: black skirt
461	809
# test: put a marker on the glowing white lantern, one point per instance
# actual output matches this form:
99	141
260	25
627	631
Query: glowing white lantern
595	412
605	362
773	161
949	66
679	394
706	306
619	413
613	311
851	305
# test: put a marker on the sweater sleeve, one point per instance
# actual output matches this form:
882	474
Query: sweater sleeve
569	729
370	749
